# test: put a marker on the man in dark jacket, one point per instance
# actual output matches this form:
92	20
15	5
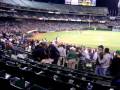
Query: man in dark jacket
39	52
53	53
115	69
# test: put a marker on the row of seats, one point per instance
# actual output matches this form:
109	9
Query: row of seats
24	73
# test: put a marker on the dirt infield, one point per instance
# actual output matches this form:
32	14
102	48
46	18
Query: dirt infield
37	36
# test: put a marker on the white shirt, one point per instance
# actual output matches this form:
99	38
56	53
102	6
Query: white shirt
28	49
22	56
87	56
105	62
95	56
62	51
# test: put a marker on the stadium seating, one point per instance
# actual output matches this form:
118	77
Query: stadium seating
30	75
20	71
57	8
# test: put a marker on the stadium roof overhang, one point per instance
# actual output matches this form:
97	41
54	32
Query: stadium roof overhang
55	8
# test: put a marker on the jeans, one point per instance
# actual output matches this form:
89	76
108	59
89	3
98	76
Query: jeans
100	71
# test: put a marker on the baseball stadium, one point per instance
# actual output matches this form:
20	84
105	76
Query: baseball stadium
59	44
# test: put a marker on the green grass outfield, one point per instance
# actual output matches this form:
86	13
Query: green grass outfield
88	38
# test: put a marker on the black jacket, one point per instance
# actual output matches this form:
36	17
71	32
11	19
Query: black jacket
54	53
115	67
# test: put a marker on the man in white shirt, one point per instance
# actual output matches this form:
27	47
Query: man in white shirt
62	57
105	62
98	55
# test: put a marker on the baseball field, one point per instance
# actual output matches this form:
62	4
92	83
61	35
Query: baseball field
88	38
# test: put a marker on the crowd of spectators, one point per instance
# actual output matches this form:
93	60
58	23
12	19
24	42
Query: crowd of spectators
101	60
113	23
79	21
53	16
60	53
98	21
23	26
13	32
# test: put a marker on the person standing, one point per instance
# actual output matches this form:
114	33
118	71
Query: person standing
53	53
105	62
98	56
62	57
72	57
115	69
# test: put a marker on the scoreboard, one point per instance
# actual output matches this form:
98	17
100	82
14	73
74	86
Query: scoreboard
81	2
